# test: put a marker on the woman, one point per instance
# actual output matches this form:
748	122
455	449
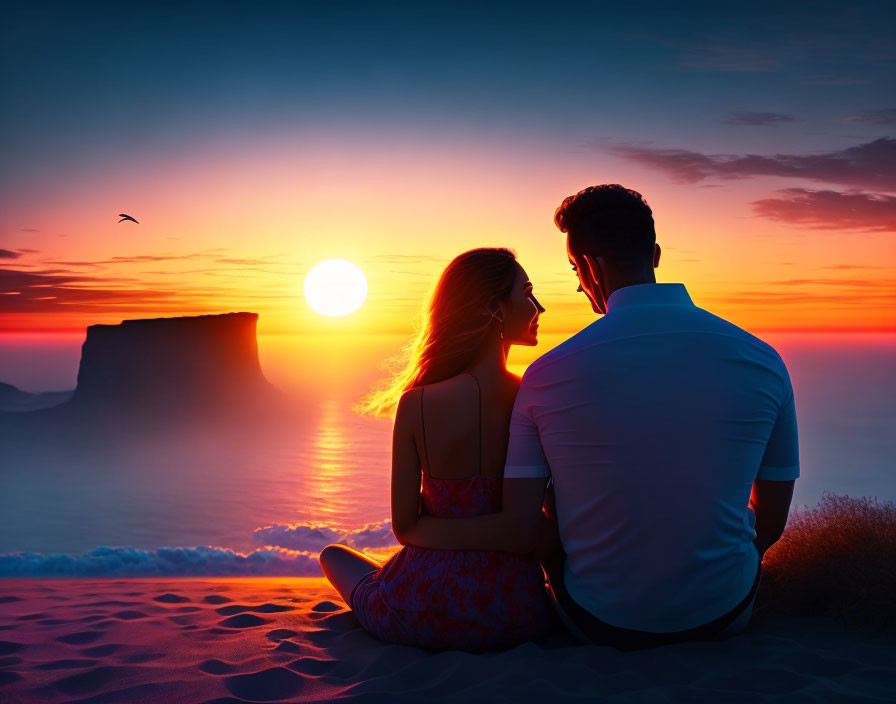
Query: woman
452	406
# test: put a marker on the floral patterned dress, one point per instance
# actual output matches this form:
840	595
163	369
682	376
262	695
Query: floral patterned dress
445	599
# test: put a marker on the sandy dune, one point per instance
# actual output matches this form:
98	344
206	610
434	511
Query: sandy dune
292	639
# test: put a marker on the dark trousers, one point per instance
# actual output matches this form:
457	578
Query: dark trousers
600	633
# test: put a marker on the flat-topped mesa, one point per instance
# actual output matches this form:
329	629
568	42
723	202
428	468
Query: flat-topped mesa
186	363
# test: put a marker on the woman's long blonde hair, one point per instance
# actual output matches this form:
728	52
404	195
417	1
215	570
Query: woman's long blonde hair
462	313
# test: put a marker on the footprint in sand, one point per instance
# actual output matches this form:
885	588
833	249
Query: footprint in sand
101	651
260	609
80	638
8	647
70	664
287	646
326	606
129	615
216	599
280	634
266	685
8	677
312	666
92	680
181	620
137	658
243	621
170	598
217	667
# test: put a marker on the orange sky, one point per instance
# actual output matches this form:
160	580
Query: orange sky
227	228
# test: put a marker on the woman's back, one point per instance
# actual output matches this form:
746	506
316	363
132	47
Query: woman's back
462	429
468	599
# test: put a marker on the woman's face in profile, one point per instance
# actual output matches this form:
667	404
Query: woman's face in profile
521	311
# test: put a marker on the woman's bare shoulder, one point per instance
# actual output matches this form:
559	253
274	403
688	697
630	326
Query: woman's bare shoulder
453	390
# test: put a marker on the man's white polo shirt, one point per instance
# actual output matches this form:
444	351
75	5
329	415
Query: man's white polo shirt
654	421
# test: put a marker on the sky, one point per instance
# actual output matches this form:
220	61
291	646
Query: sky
253	140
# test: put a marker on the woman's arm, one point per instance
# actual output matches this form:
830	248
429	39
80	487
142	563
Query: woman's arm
405	466
516	528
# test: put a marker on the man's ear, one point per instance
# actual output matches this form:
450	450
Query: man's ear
594	272
656	255
597	283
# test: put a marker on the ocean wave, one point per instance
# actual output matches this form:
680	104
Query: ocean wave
314	537
168	562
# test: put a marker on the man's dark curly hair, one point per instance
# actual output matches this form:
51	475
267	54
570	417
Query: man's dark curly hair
609	221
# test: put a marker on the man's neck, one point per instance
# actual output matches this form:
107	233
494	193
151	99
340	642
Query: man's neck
623	281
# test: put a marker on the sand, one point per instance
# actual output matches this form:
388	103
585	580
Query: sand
292	639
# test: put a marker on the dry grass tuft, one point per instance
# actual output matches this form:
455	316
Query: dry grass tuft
838	559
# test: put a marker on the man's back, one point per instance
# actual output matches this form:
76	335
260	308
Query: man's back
655	421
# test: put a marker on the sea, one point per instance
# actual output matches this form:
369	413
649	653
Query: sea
324	474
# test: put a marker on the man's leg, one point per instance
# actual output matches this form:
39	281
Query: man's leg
344	568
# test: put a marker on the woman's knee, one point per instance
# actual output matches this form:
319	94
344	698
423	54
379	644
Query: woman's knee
329	555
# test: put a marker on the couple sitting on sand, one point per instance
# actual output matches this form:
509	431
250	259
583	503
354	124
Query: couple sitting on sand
643	466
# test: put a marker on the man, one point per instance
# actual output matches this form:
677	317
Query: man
670	437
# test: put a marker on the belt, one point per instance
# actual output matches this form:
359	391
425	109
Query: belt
602	633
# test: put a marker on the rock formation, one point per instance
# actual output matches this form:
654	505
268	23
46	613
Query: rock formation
200	364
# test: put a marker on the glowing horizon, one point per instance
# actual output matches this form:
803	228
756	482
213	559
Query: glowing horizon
253	166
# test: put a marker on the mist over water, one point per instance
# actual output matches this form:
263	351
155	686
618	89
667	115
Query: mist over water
322	465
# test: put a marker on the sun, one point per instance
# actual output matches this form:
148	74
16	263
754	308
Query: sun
335	287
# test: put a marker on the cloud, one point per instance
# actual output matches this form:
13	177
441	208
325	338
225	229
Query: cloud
875	117
55	262
55	290
140	258
28	229
168	562
756	119
311	537
245	262
9	254
869	165
830	210
843	267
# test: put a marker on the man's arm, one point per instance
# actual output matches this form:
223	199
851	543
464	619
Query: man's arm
780	467
770	502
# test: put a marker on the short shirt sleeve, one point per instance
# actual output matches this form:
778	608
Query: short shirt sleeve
525	454
781	461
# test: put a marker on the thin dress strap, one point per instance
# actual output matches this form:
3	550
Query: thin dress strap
479	389
423	427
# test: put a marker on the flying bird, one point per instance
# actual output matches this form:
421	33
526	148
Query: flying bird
124	217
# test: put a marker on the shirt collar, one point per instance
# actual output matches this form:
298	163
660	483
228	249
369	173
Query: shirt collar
649	295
